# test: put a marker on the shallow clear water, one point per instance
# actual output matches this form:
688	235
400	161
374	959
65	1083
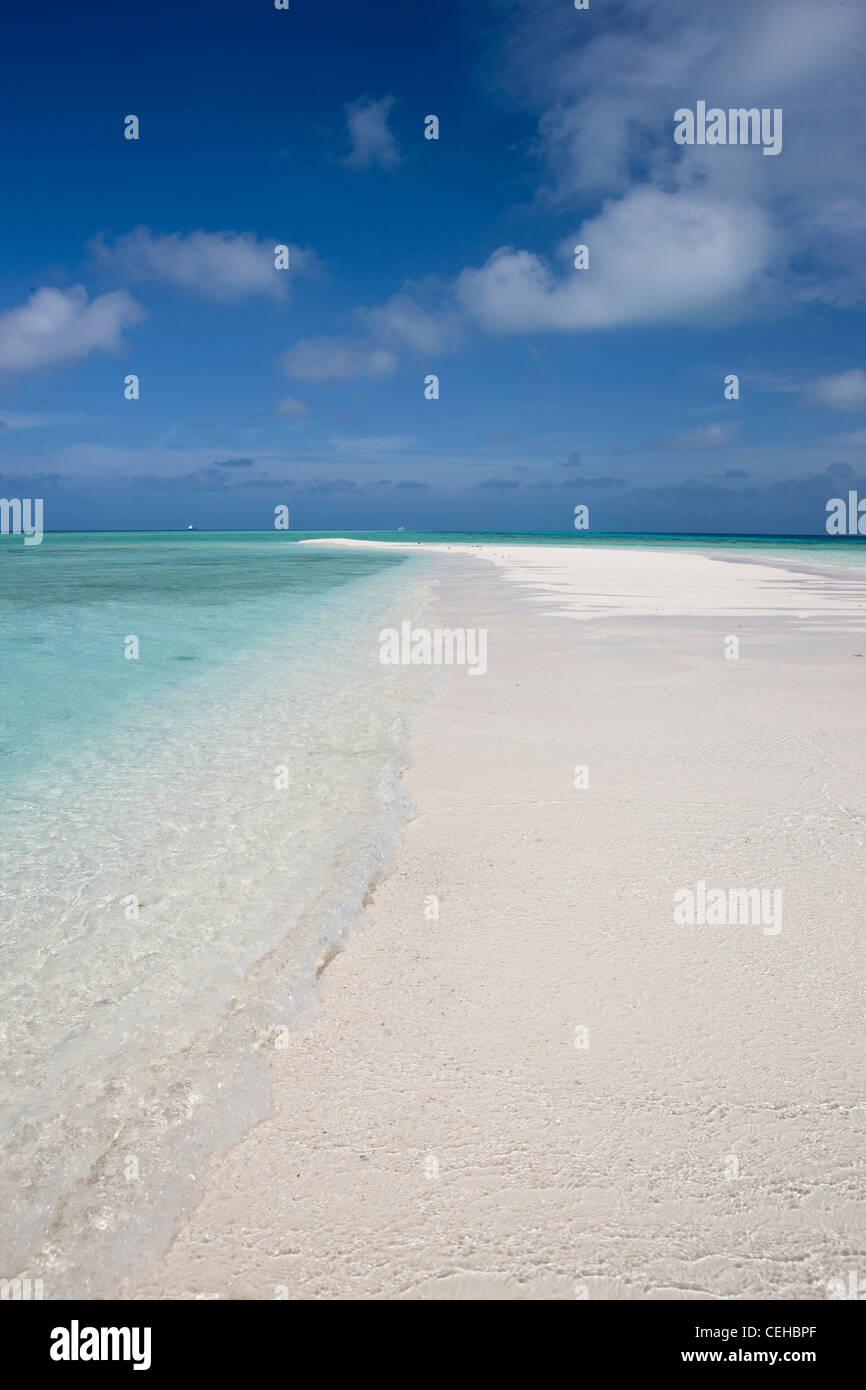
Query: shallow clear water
182	837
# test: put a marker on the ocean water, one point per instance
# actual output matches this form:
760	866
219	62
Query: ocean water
183	839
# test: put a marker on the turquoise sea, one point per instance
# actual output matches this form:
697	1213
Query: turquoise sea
183	837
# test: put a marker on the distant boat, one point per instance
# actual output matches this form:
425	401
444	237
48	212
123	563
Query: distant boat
191	527
401	528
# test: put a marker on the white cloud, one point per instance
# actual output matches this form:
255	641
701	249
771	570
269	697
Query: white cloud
291	408
15	420
844	391
371	140
320	359
654	258
377	444
605	95
403	320
63	326
712	436
222	266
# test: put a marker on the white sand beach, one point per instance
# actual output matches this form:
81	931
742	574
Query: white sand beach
553	1089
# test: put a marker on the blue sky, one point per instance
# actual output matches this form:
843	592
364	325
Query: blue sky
412	257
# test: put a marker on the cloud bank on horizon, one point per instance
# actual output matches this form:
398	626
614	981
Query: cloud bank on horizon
457	248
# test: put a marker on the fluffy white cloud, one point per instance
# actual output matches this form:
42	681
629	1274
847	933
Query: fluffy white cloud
605	95
63	326
222	266
654	258
844	391
371	140
320	359
404	321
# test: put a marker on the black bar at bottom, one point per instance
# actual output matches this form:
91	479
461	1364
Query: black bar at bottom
225	1337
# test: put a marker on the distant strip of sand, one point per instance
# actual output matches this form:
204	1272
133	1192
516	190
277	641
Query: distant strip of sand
529	1076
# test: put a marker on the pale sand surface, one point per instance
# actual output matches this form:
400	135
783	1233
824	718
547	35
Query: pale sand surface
596	1171
595	581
